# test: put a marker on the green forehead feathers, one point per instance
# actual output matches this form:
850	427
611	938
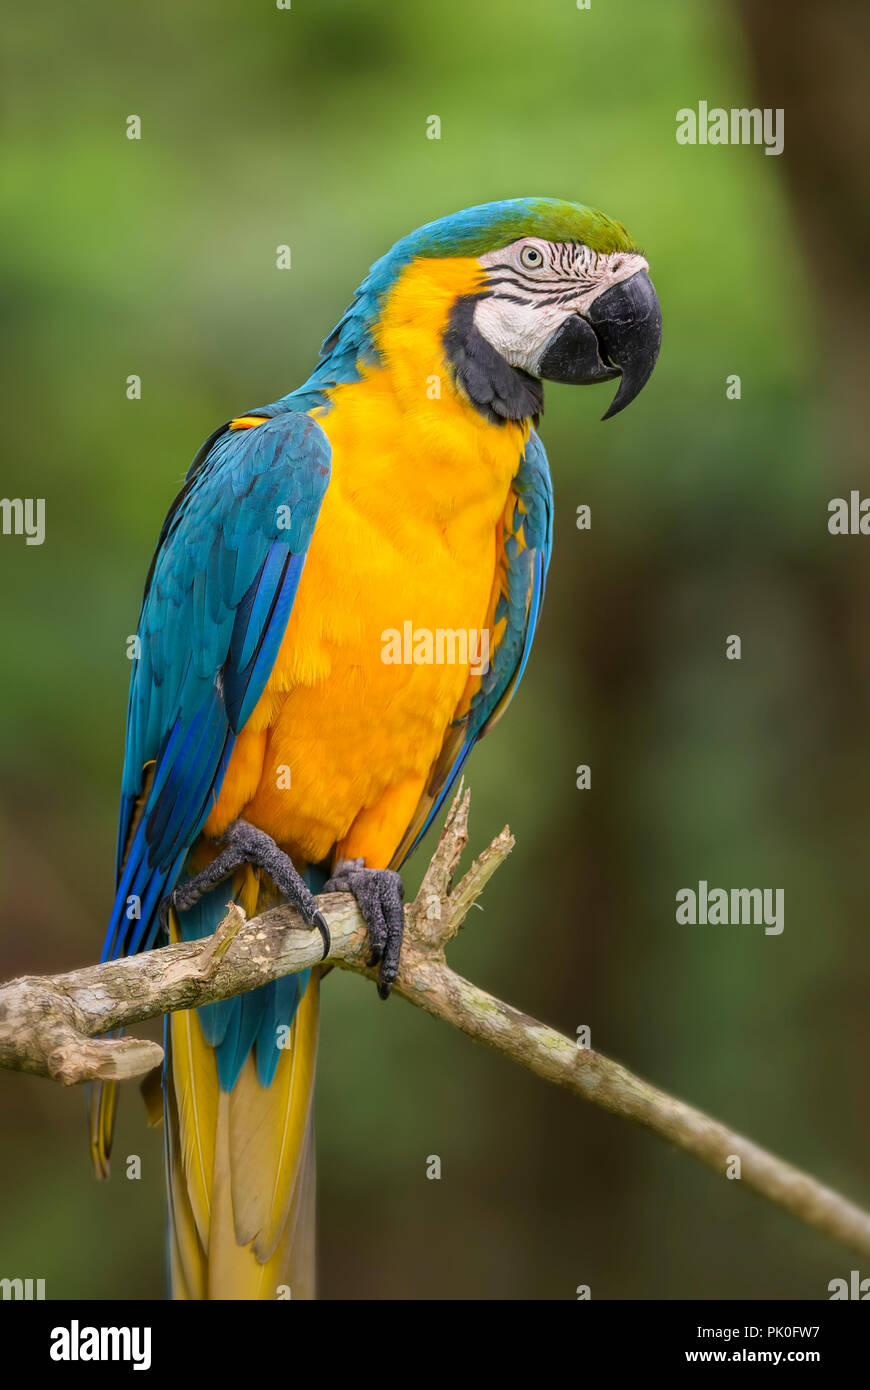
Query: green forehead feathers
474	231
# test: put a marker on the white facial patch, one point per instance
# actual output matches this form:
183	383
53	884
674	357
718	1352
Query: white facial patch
535	285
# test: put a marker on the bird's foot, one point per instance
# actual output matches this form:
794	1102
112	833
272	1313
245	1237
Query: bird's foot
245	844
379	894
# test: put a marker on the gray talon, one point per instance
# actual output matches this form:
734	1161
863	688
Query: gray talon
245	844
379	894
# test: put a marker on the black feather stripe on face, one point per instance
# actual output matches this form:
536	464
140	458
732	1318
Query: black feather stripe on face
498	390
567	265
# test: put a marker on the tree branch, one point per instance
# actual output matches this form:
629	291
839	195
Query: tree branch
50	1025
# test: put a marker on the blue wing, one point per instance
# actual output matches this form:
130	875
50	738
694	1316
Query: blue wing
218	596
526	545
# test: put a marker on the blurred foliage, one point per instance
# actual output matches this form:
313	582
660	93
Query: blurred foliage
157	257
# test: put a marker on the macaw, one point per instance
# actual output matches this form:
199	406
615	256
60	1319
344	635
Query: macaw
270	740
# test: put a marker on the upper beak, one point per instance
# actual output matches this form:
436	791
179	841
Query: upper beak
628	324
620	335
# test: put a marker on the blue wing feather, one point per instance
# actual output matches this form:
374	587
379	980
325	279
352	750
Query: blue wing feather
218	596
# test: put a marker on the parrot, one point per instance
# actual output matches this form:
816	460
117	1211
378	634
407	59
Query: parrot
278	743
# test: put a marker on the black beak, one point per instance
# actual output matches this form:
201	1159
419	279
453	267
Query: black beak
620	336
628	322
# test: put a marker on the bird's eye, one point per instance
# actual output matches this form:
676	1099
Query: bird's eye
531	257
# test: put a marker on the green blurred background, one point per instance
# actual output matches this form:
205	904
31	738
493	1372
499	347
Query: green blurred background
157	257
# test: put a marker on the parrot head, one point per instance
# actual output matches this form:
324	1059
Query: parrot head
563	294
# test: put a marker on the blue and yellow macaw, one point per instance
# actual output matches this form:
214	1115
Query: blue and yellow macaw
270	740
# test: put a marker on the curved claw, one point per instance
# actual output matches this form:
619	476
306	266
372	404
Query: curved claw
320	922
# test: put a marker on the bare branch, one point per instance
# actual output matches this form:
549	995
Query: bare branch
50	1025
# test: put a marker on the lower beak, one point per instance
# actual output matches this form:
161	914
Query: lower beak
620	335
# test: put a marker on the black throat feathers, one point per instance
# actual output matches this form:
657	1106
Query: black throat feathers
498	390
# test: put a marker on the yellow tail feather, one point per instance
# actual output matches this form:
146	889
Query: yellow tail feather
241	1163
102	1106
241	1168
